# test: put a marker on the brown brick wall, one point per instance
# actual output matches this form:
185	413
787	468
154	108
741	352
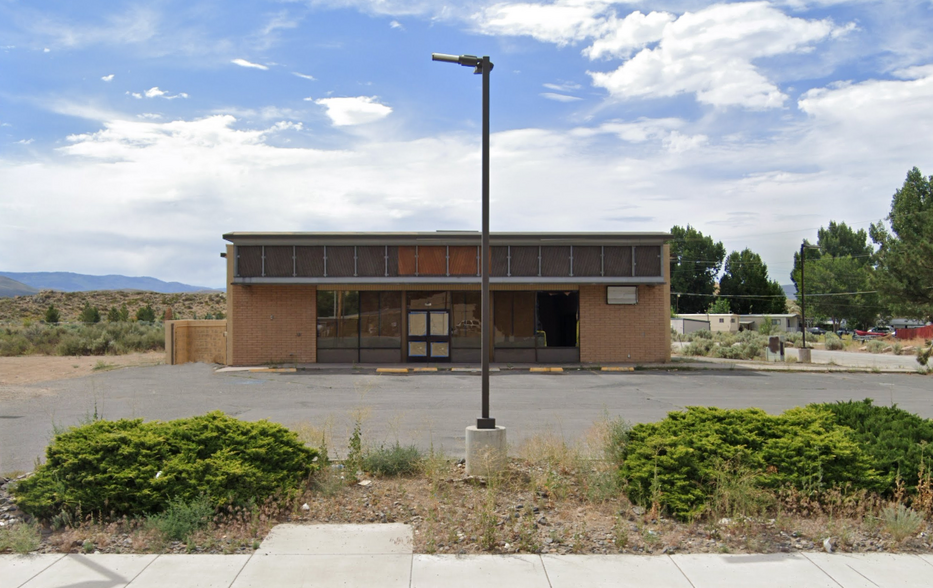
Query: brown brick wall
273	324
622	333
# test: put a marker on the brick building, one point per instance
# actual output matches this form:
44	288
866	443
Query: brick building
415	297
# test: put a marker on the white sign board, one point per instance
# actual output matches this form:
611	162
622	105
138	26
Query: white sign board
622	295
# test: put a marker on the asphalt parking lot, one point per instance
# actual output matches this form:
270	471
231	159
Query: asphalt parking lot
431	409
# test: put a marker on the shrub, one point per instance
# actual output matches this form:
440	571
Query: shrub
833	343
901	522
393	461
699	335
145	314
52	316
896	441
876	346
113	315
19	537
180	519
674	463
89	314
127	467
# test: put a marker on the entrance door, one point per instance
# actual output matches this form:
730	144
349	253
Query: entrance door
428	335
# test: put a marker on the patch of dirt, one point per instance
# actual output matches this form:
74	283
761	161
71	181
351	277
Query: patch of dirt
17	373
457	514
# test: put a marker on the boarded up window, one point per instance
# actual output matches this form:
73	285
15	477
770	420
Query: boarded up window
249	261
499	265
463	261
309	261
587	261
617	262
647	261
340	262
406	261
279	263
432	261
370	261
555	262
524	261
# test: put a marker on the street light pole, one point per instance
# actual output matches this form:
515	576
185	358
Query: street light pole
482	66
803	296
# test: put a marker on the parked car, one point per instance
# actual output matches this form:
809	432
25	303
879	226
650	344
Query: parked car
882	330
815	331
842	332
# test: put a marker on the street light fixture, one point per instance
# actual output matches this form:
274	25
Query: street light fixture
483	66
803	296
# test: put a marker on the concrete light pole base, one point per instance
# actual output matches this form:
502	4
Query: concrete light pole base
803	355
486	451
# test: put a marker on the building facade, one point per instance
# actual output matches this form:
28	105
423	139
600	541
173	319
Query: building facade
415	297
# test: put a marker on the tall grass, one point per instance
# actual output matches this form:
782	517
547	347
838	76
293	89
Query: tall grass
81	339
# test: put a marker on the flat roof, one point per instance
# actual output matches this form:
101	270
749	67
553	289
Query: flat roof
446	238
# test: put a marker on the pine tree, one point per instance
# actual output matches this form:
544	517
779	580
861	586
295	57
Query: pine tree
52	316
145	314
113	315
89	314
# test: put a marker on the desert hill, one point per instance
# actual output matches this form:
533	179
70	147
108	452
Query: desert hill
184	305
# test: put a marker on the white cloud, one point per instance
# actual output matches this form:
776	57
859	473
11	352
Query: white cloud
244	63
305	76
562	87
396	25
155	92
150	116
710	53
618	38
354	110
24	142
560	97
107	78
562	22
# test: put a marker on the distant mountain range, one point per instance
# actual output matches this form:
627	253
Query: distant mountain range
71	282
10	288
790	291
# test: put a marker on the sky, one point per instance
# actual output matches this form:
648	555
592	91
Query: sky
133	135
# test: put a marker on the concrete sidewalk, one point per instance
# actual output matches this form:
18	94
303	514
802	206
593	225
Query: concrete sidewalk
381	555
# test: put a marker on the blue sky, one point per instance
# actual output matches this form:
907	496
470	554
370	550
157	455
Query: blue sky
134	134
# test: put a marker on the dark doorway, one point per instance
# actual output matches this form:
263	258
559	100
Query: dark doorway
557	319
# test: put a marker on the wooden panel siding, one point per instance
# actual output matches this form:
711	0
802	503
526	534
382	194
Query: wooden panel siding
339	262
249	261
587	261
432	261
406	260
370	261
524	261
309	261
463	261
617	261
555	262
279	262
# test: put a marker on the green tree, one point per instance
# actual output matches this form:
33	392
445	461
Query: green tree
89	314
145	314
52	316
124	313
695	262
745	281
113	315
841	264
904	261
719	306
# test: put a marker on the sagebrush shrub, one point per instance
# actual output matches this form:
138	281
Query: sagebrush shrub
128	467
393	461
833	343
